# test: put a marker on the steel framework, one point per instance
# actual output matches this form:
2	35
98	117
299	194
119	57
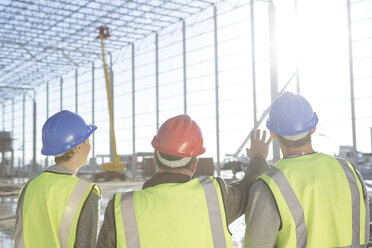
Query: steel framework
42	40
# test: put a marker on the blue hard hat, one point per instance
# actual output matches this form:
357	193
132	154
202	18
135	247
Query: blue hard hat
64	131
291	114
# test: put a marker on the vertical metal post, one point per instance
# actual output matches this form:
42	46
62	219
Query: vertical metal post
253	61
61	94
23	135
3	118
34	139
157	77
93	142
273	68
297	52
12	163
184	67
133	114
76	90
47	116
47	100
351	75
113	107
216	86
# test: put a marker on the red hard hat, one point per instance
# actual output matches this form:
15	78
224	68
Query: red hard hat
179	136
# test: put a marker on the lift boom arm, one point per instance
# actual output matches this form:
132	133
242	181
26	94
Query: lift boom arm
116	164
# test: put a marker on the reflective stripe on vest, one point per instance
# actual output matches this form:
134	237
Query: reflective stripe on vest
129	220
293	204
70	211
355	201
218	235
298	213
18	230
67	218
214	212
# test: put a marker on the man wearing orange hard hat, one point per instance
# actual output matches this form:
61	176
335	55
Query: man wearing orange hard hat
173	209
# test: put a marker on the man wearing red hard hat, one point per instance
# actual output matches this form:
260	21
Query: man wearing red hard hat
174	210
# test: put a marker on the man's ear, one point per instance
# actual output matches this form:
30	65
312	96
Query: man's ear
273	135
78	148
313	130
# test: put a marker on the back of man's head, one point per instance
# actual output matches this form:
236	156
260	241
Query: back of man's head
291	119
178	142
62	132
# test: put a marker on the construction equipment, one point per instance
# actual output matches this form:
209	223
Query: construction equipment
115	166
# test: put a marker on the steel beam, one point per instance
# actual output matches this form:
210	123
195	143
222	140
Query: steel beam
34	169
184	67
12	164
133	113
23	136
157	78
253	61
93	142
61	94
351	78
273	68
216	88
76	90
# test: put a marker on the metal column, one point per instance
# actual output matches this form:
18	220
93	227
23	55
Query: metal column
12	163
351	70
216	86
76	90
184	66
34	138
23	135
93	142
113	107
47	116
133	115
273	68
47	100
61	94
297	52
3	116
253	61
157	78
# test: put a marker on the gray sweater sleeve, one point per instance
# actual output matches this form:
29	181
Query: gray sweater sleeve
86	232
235	195
262	217
107	234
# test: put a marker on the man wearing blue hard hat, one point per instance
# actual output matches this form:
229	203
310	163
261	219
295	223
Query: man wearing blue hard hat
57	209
307	199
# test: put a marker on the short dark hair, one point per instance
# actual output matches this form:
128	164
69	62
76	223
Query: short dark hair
290	143
171	158
65	156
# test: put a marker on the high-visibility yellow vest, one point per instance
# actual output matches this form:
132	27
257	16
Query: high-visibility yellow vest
48	210
170	215
320	201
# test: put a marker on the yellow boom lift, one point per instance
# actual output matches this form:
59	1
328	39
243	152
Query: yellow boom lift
115	168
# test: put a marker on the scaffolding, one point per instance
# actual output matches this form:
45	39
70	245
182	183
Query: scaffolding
42	40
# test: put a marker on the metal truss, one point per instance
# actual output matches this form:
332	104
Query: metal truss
42	39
